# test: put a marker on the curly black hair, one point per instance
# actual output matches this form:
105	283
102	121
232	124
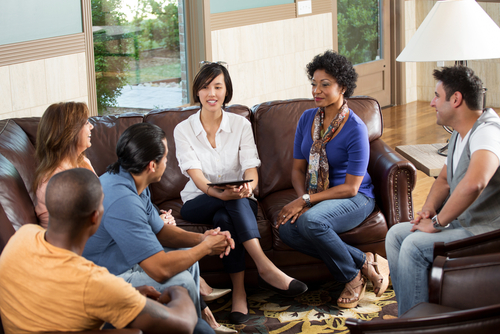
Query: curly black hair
461	79
338	67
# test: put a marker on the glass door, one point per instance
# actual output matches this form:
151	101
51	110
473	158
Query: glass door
364	38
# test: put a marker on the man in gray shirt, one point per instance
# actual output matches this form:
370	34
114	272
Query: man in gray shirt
463	200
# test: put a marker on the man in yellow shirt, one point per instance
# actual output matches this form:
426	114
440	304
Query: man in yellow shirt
46	285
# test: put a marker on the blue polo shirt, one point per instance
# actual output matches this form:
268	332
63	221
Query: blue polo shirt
127	234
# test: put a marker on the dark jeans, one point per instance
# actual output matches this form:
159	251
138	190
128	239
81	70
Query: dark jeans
235	216
315	233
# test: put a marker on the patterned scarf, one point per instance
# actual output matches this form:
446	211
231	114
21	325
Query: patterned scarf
317	174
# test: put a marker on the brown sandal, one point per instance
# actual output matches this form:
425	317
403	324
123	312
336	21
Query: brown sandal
353	296
381	267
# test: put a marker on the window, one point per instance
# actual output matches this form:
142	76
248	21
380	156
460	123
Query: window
139	53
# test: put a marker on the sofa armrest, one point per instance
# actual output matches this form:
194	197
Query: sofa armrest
465	283
479	320
485	243
394	179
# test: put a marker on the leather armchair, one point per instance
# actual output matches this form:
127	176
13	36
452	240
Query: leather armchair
485	243
461	300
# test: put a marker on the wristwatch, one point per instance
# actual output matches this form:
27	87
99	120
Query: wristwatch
437	226
307	199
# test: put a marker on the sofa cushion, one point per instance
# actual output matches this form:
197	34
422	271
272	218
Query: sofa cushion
368	109
107	130
172	181
17	170
15	200
274	129
29	126
371	231
16	147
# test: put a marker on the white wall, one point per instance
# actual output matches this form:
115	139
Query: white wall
27	89
267	61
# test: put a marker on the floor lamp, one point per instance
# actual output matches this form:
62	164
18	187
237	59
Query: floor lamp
454	30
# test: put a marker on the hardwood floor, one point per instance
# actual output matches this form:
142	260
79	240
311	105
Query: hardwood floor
411	124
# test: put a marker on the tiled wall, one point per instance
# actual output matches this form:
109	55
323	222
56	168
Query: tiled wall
267	61
27	89
420	84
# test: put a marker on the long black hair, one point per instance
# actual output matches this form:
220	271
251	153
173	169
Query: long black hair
140	144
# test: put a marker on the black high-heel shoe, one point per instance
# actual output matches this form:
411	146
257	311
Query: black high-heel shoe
295	288
238	318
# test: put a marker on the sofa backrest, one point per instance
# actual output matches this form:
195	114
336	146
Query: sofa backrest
17	169
274	125
107	130
173	181
17	159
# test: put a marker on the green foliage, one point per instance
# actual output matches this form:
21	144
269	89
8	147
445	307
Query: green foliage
158	24
358	30
108	87
155	73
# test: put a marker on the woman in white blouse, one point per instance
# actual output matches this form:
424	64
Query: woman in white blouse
214	146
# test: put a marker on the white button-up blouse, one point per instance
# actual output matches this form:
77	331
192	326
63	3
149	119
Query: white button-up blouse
235	150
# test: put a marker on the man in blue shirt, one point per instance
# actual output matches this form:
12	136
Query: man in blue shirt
136	243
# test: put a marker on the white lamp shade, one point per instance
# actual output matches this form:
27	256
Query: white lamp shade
454	30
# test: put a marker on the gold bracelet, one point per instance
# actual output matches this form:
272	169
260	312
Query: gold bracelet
207	190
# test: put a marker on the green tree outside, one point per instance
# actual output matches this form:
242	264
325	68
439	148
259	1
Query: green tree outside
155	25
358	24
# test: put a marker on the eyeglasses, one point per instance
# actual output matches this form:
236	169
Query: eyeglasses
206	62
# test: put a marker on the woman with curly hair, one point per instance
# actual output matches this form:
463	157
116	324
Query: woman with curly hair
335	192
62	137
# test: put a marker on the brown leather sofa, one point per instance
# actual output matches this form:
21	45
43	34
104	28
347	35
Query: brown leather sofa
274	126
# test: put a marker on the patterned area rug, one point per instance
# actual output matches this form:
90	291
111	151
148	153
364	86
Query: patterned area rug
315	311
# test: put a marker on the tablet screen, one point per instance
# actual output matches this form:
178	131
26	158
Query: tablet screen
230	183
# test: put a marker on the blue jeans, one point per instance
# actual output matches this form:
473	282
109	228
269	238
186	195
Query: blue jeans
189	279
316	231
410	259
235	216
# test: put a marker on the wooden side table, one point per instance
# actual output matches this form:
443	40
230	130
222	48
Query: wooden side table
424	157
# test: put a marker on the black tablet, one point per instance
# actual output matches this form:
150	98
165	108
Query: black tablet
230	183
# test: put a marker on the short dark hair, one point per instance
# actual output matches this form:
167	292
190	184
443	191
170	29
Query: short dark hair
140	144
206	75
71	197
338	67
461	79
